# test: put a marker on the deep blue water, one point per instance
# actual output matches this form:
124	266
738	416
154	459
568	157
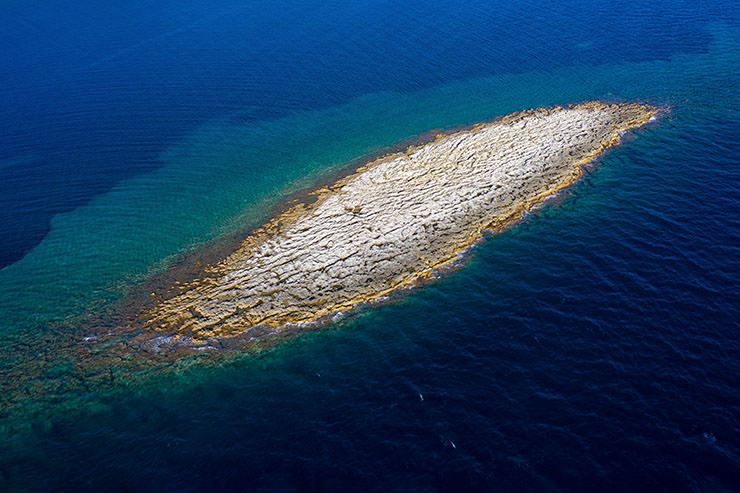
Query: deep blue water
592	348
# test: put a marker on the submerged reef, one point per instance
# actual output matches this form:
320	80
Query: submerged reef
389	224
393	222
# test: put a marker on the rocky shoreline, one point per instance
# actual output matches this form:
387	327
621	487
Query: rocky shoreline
393	222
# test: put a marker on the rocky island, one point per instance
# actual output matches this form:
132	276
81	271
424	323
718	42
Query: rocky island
394	221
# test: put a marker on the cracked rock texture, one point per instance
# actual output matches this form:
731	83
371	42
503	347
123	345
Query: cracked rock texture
392	222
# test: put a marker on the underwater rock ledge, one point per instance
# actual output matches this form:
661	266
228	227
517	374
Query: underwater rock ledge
393	222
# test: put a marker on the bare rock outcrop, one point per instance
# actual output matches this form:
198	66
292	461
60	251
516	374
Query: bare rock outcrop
393	222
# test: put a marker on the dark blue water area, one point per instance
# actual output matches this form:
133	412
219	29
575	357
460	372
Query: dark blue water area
91	94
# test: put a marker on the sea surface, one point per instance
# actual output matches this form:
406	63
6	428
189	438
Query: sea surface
593	347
